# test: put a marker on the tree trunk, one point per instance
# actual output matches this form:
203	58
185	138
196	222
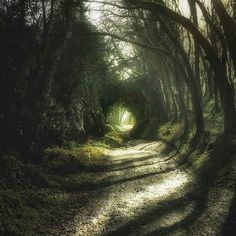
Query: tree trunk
226	91
229	28
190	80
182	105
196	47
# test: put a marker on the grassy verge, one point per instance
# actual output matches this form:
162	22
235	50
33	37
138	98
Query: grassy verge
37	198
212	162
212	158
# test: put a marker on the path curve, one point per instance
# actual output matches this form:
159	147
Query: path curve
142	192
137	194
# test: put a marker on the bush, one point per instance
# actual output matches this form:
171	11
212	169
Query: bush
72	159
62	161
113	140
12	169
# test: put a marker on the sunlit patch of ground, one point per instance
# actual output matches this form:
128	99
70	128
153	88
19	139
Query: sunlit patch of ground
127	203
139	188
145	193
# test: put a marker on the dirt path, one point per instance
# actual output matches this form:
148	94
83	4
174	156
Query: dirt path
141	193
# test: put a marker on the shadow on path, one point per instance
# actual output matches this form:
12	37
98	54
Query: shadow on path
151	215
162	214
204	182
88	186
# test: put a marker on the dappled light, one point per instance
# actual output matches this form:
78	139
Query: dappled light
118	117
130	201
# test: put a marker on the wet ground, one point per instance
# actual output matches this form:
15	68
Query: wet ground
142	192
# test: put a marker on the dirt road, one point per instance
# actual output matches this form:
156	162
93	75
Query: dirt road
142	192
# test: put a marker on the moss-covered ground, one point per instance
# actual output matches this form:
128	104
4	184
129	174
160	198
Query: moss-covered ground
36	198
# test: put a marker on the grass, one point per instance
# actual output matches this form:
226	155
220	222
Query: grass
30	198
31	209
212	158
212	162
70	160
36	198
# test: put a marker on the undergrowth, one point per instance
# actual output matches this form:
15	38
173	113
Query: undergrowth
34	198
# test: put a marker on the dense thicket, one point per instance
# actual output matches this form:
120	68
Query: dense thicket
171	63
59	79
52	74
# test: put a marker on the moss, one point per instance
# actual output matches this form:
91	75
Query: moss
171	132
30	210
198	160
73	159
11	168
113	139
62	161
35	197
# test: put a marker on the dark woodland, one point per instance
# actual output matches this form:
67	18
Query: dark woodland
118	117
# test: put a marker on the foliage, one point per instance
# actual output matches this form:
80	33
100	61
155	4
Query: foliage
34	197
60	79
53	71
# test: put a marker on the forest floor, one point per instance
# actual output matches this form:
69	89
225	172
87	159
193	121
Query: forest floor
140	191
108	187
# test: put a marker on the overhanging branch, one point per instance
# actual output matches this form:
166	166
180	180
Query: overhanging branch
134	42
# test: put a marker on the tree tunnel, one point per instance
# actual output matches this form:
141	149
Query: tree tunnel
128	111
176	56
138	97
121	118
72	63
117	117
